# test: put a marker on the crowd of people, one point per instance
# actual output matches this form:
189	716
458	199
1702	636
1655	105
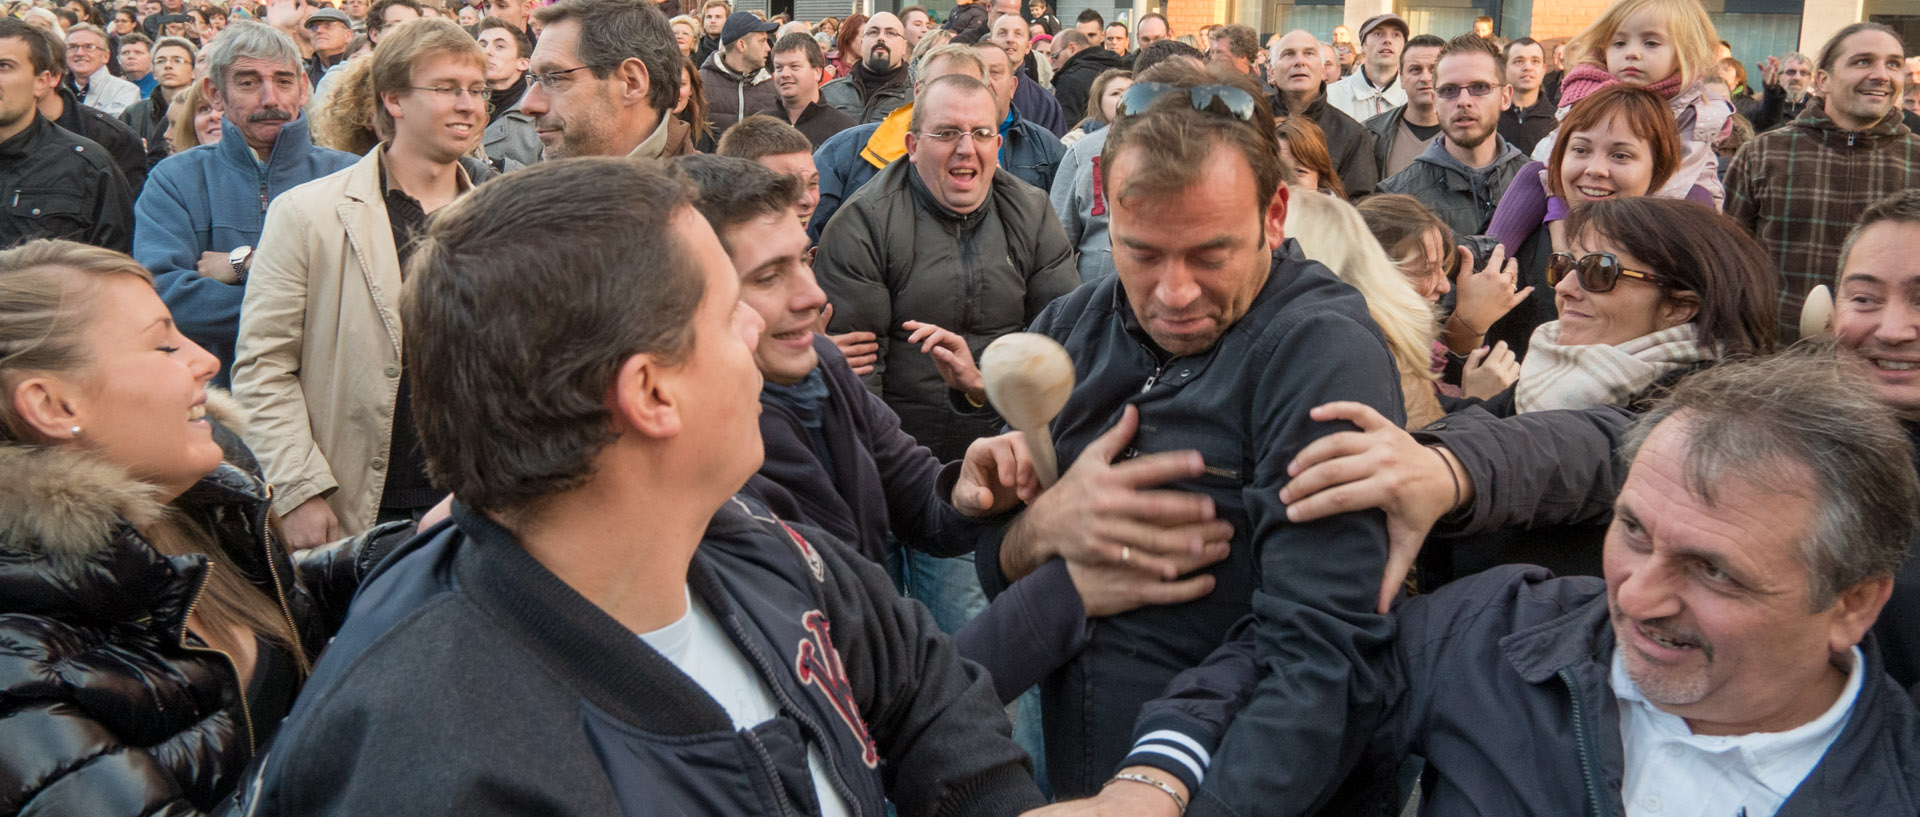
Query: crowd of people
580	408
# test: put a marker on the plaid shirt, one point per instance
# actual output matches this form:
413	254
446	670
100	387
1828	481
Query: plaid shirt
1800	188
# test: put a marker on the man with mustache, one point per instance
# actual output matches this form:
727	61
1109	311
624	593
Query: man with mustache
879	82
197	221
319	367
1786	83
1463	175
1401	135
1800	188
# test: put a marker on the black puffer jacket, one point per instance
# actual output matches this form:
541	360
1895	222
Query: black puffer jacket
111	706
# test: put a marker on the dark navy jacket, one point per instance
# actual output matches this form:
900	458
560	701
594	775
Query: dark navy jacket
1501	681
1305	340
470	680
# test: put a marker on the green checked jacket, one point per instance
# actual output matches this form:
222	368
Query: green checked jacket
1799	189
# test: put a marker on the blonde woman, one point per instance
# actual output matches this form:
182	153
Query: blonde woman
1331	232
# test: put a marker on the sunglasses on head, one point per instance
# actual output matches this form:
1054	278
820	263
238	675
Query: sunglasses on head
1598	271
1225	100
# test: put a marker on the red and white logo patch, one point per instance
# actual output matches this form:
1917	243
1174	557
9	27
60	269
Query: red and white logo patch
818	663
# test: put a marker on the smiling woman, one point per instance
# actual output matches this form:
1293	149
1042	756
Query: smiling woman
139	567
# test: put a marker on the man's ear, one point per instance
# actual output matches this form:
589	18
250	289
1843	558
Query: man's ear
212	96
1855	611
635	82
1274	225
643	399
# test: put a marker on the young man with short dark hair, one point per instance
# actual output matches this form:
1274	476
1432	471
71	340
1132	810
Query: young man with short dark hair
779	147
654	644
735	78
798	64
1531	116
65	186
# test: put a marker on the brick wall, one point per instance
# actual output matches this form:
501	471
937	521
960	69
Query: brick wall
1187	16
1564	18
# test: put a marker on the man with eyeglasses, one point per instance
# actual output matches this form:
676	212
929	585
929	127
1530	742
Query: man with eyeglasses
947	238
879	83
62	106
63	185
1786	86
605	78
88	51
1462	176
1197	362
329	30
319	367
200	216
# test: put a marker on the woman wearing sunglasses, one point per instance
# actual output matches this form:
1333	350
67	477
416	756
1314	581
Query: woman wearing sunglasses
1648	291
1619	144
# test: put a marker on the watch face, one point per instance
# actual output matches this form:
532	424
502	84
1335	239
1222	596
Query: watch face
239	255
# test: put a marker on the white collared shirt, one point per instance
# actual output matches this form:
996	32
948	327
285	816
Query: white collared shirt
1671	771
1358	97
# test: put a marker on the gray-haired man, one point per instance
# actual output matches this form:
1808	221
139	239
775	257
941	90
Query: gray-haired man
197	220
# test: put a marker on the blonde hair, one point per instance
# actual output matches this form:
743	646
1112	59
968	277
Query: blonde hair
182	134
344	119
1332	232
692	25
44	316
1688	27
405	46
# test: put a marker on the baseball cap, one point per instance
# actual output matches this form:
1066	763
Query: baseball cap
742	23
1379	20
329	15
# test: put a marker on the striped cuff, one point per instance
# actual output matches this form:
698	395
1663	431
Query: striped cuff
1173	753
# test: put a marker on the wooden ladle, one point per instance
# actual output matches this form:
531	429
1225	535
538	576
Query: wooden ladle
1816	317
1028	379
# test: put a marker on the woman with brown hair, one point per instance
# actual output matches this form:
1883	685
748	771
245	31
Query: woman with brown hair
1103	103
1303	145
689	131
156	630
846	50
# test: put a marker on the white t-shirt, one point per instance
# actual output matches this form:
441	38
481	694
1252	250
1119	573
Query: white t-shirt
1670	770
701	649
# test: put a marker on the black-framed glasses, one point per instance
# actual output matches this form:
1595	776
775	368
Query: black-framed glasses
547	80
1598	271
1225	100
1474	88
951	135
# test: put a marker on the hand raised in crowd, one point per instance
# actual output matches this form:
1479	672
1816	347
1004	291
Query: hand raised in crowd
1489	370
310	525
996	475
1379	466
285	15
1101	512
1485	295
861	349
1769	71
951	358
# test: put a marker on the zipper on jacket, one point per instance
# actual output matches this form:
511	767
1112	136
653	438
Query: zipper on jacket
280	590
263	193
780	797
1158	367
1581	742
246	712
768	671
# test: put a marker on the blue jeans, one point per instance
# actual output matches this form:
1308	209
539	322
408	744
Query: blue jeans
951	591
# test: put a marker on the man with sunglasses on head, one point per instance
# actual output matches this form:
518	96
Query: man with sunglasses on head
318	367
1463	174
1197	363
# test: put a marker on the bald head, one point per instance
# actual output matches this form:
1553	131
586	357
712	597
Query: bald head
883	42
1297	63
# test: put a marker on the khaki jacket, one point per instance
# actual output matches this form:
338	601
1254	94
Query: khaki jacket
318	362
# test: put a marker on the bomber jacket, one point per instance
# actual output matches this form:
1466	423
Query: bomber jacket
1515	658
893	253
1799	188
129	713
121	141
58	184
1306	339
213	198
471	680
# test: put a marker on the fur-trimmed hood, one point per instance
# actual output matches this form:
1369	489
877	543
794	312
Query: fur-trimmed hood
62	502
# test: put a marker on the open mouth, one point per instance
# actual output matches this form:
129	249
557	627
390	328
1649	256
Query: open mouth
197	412
1665	640
1594	192
1886	365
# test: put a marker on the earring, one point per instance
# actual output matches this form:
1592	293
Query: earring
76	432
